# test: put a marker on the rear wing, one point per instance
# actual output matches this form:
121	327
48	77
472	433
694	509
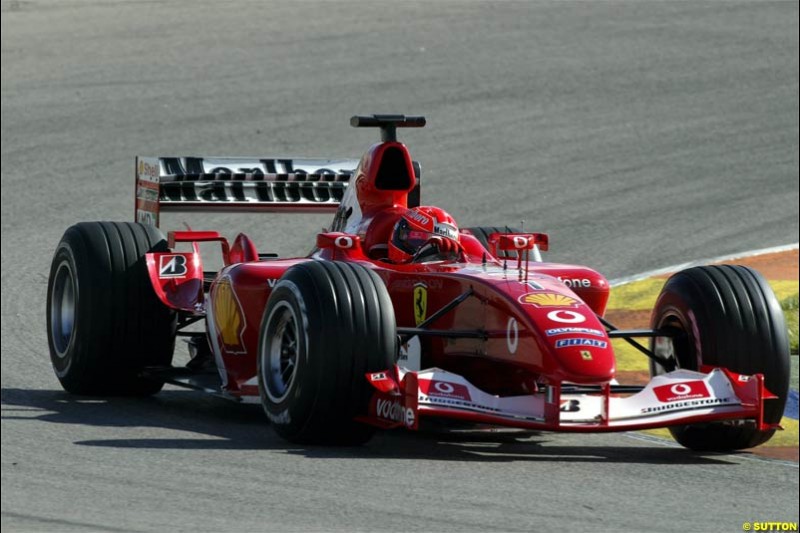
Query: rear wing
243	185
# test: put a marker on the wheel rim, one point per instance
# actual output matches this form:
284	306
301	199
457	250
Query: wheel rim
280	348
62	309
676	346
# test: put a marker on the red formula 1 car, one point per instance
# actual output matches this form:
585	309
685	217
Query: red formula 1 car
346	339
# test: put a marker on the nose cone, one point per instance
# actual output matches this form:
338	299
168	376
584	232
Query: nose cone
583	351
576	341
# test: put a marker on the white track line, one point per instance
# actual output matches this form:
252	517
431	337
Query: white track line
644	275
681	266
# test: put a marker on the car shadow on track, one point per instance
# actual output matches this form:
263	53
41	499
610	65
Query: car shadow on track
216	424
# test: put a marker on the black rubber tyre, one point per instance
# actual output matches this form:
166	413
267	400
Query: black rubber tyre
104	321
325	326
483	233
738	324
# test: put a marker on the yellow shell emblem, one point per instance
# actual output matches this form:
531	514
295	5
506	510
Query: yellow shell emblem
547	299
228	317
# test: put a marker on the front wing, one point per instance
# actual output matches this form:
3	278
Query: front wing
402	398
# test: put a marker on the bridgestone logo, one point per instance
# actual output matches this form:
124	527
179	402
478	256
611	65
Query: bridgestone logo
394	411
172	266
706	402
456	403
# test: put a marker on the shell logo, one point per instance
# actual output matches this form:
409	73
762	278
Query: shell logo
548	299
228	317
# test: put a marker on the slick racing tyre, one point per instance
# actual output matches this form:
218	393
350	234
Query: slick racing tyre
104	321
327	324
483	233
726	316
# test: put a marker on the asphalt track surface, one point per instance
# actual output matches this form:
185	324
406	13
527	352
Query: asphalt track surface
638	135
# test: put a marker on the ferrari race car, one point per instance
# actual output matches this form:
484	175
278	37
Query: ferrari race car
343	341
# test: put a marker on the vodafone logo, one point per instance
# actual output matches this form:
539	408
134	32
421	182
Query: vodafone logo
520	242
512	335
343	242
680	389
565	316
394	411
686	390
444	389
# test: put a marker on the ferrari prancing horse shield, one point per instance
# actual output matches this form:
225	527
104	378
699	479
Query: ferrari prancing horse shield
420	303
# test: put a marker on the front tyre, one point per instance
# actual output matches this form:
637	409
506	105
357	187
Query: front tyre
326	325
726	316
104	321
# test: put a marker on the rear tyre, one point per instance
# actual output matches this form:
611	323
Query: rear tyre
327	324
104	321
729	317
483	233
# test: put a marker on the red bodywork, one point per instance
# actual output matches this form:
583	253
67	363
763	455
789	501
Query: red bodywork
539	323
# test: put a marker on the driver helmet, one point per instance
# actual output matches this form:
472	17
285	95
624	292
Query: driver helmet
416	227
